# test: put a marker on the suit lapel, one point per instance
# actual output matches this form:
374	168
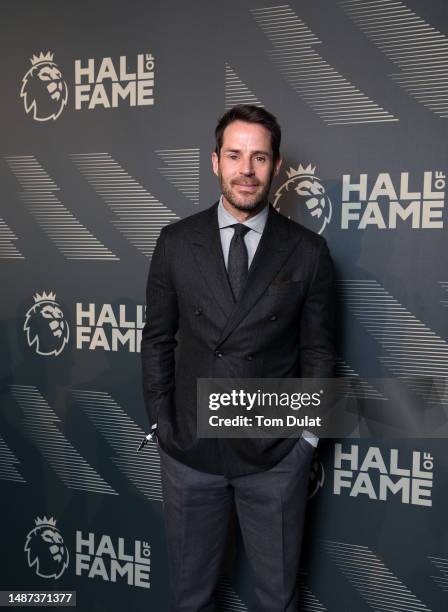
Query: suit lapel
207	250
273	250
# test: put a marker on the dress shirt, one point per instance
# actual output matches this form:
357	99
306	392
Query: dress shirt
251	239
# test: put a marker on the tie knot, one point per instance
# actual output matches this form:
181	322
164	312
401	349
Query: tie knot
240	229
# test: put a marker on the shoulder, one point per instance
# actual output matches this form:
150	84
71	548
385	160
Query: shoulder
193	222
297	231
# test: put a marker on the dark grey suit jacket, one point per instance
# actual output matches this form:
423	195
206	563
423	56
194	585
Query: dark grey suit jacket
281	326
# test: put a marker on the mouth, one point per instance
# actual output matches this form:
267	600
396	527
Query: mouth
249	187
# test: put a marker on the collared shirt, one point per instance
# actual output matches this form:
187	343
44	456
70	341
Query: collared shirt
251	239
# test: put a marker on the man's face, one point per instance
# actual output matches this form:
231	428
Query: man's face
245	165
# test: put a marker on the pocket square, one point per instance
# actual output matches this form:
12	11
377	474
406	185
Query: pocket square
281	282
283	286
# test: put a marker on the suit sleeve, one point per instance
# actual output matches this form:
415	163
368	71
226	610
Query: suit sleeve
317	322
158	336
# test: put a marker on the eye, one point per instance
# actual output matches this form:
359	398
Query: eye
260	158
303	190
47	312
47	536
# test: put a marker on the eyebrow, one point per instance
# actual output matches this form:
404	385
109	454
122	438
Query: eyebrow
267	153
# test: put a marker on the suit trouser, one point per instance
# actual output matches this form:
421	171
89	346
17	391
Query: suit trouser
270	506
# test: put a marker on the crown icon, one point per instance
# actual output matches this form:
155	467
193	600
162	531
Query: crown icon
37	59
44	297
301	171
51	522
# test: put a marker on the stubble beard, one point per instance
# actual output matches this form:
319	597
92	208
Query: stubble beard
242	203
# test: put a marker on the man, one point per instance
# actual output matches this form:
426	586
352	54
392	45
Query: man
235	291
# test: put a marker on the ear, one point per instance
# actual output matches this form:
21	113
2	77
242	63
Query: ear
215	163
278	163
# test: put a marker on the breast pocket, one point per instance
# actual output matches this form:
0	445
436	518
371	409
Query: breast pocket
286	288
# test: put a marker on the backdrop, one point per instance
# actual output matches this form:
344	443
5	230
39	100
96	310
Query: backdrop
108	112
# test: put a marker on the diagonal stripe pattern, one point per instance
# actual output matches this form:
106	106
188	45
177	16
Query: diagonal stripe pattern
8	461
67	233
120	431
374	581
8	249
42	424
308	602
441	564
417	49
236	91
330	95
182	170
361	389
140	215
227	599
413	348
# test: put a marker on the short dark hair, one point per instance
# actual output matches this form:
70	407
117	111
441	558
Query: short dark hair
251	114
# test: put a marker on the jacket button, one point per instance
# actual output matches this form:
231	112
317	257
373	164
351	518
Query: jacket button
273	317
249	357
218	354
198	312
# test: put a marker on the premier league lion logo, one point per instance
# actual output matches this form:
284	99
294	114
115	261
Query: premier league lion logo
303	198
45	325
46	550
44	91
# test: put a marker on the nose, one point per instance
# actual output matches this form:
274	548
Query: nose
246	167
